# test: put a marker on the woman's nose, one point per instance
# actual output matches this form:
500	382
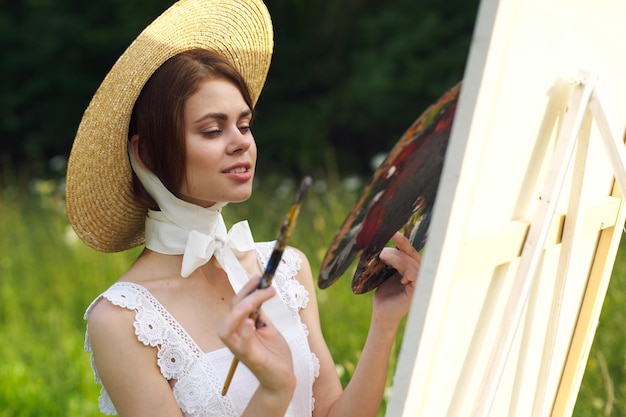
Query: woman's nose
240	141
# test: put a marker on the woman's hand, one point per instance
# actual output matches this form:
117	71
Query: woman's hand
392	298
262	349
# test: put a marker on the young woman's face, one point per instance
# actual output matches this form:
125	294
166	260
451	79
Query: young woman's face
221	152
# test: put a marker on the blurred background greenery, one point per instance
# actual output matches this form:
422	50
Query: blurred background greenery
48	277
347	78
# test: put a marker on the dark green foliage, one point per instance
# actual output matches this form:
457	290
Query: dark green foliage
347	76
353	75
54	55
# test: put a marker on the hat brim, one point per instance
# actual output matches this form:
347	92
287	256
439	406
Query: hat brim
100	202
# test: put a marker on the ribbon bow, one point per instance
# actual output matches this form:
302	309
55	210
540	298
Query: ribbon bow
198	233
201	247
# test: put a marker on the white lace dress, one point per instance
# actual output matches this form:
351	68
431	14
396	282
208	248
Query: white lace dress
199	376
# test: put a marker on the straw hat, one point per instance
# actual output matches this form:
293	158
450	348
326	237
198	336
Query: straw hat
100	202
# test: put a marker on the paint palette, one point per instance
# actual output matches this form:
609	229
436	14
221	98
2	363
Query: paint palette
399	196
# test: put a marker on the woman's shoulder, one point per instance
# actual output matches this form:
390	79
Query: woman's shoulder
108	324
115	305
104	313
125	313
123	294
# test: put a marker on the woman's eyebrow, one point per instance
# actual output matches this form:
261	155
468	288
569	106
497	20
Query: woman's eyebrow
222	116
218	116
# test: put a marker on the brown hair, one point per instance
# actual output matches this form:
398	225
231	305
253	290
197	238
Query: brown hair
158	115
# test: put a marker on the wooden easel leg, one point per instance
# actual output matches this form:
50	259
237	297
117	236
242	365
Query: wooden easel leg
571	231
613	142
532	251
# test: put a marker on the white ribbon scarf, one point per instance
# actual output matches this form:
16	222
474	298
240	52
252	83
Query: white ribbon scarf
196	232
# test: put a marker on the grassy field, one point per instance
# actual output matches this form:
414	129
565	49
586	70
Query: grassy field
48	277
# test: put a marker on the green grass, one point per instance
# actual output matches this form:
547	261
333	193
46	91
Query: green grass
603	391
48	277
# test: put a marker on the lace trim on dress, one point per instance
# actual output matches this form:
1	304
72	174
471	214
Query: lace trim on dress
180	359
176	351
293	294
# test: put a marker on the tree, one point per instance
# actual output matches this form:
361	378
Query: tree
352	75
347	77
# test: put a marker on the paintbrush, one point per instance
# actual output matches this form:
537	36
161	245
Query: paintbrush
286	228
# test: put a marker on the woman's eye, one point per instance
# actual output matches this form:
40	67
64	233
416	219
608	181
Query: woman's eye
244	129
211	133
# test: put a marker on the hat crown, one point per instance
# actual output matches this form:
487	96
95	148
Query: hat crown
101	205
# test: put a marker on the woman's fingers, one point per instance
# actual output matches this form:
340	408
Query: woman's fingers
257	344
404	244
246	290
405	259
239	323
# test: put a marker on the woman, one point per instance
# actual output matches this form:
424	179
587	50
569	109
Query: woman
177	107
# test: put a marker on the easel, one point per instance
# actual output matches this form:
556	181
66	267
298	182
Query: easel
587	96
